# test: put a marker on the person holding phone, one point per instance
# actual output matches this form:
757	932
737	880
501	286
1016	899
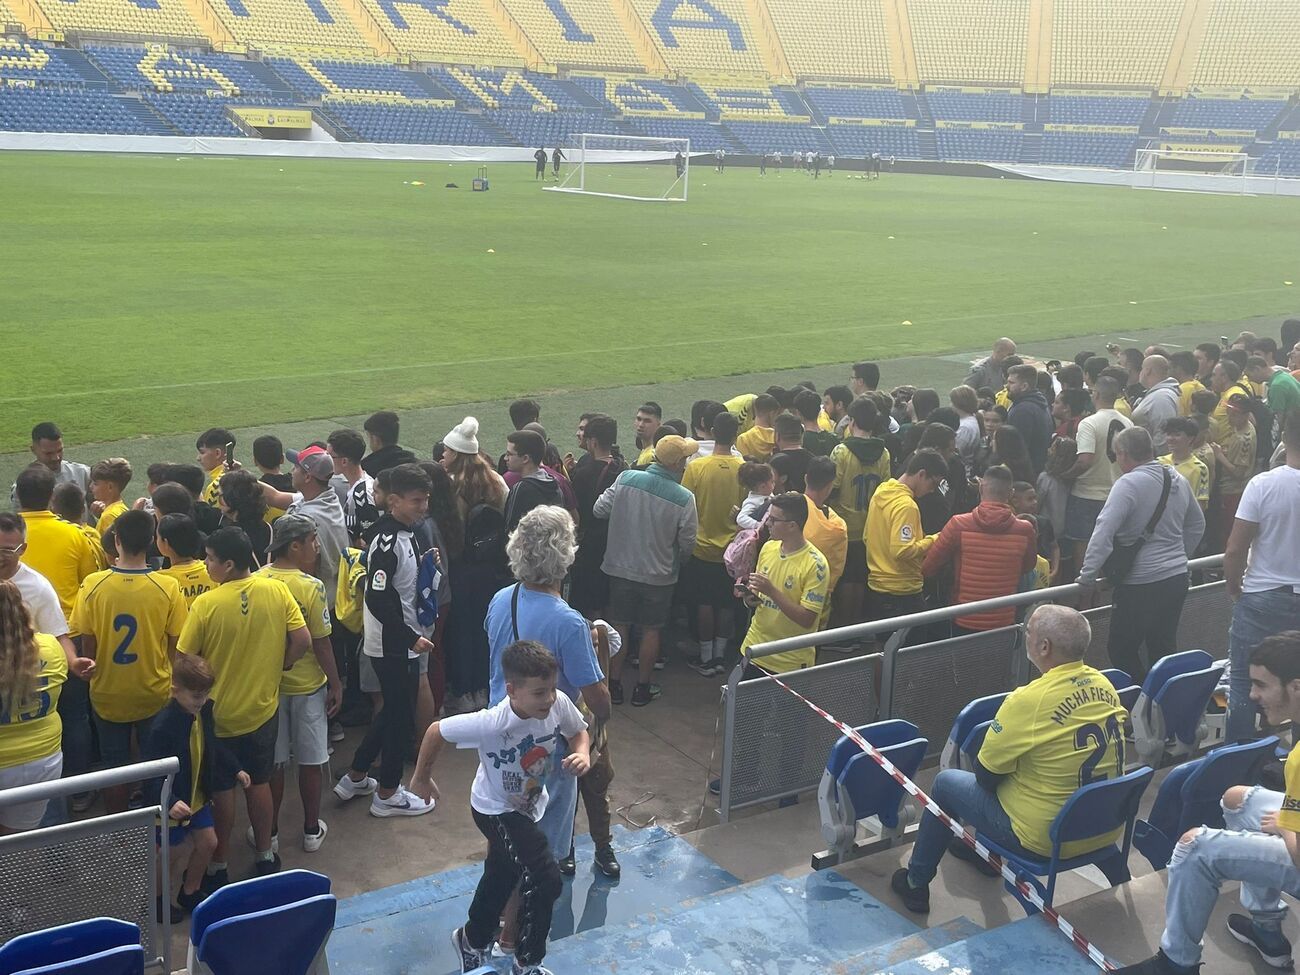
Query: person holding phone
216	449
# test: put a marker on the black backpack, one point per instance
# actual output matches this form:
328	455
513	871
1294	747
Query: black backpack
485	536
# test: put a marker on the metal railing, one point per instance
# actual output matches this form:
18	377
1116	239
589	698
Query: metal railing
771	750
107	866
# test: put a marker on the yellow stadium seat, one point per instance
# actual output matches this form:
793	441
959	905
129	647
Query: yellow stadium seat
711	37
292	23
1250	43
590	33
464	32
833	38
7	16
971	42
1112	42
169	19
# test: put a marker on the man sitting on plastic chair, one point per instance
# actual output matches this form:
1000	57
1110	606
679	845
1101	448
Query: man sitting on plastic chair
1260	846
1048	739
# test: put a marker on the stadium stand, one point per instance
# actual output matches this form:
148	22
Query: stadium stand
883	103
705	136
509	88
23	60
702	37
161	19
1228	113
194	114
411	123
1122	42
1068	109
76	110
833	38
970	42
165	70
1281	157
993	106
1067	148
638	96
7	16
321	24
576	32
991	145
552	128
785	136
851	139
459	31
1250	43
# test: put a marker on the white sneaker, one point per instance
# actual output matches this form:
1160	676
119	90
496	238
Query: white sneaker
252	841
312	843
400	803
348	788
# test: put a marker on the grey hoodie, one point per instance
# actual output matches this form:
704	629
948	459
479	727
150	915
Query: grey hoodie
1158	405
652	526
1131	503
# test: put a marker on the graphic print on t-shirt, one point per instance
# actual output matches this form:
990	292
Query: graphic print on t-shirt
523	768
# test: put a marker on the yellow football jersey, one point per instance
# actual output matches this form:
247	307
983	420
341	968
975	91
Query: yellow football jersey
1288	817
111	513
803	574
130	613
715	482
743	407
1050	738
192	577
33	729
241	628
305	676
212	490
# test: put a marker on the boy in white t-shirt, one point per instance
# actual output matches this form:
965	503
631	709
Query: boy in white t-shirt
516	741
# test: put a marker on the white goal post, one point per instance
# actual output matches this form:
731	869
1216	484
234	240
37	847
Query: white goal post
627	167
1192	170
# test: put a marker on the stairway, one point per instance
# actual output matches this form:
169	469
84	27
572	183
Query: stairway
154	124
1031	147
673	911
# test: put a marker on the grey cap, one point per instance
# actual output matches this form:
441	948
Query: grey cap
312	461
288	529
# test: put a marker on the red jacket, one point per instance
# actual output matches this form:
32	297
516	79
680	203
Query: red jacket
991	549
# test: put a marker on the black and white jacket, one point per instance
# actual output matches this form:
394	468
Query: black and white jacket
392	579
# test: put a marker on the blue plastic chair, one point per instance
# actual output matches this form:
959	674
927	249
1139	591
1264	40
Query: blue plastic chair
1094	810
977	712
970	748
1128	691
1189	796
274	925
67	942
1169	716
126	960
854	787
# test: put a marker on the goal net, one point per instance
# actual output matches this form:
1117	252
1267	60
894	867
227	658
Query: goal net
627	167
1192	170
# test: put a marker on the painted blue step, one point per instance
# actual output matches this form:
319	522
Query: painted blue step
1031	944
910	946
405	929
462	880
795	927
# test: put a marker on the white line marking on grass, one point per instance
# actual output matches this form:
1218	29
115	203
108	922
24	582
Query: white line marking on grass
568	353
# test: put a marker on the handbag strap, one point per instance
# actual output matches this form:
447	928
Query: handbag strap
514	609
1160	508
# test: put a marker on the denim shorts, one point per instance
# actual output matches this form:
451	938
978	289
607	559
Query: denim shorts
1081	518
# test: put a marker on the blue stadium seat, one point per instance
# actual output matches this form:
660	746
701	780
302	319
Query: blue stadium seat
974	715
704	136
862	140
989	145
1169	716
884	103
854	787
1227	113
1096	110
1128	691
1111	151
1190	795
1002	106
274	925
412	124
127	960
55	946
1094	810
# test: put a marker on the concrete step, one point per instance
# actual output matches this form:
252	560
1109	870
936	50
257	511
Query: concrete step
908	947
404	928
804	926
1028	945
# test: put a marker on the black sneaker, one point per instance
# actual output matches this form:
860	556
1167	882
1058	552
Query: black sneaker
1157	965
643	694
607	863
177	913
569	865
264	868
915	899
187	902
616	691
1271	945
470	958
215	881
963	852
715	787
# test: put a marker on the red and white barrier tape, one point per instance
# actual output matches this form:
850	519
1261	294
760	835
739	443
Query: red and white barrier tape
912	789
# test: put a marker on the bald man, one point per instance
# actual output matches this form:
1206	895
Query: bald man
991	372
1160	402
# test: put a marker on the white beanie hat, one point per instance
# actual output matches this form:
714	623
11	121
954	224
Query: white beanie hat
463	437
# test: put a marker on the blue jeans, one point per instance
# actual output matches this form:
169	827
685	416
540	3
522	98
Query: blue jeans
556	823
963	798
74	711
1198	869
1255	616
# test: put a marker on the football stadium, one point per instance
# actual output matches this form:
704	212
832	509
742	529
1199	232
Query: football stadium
775	443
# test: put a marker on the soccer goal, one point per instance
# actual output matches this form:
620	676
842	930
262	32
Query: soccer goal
1192	170
628	167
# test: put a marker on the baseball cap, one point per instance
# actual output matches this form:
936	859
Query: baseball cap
672	449
314	462
288	529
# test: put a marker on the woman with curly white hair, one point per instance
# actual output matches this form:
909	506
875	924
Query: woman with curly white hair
541	550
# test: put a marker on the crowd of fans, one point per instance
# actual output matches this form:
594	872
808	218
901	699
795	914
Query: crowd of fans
238	616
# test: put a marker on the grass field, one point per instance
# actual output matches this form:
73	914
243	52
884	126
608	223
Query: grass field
149	295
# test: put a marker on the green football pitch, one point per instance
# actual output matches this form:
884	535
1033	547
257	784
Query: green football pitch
158	295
